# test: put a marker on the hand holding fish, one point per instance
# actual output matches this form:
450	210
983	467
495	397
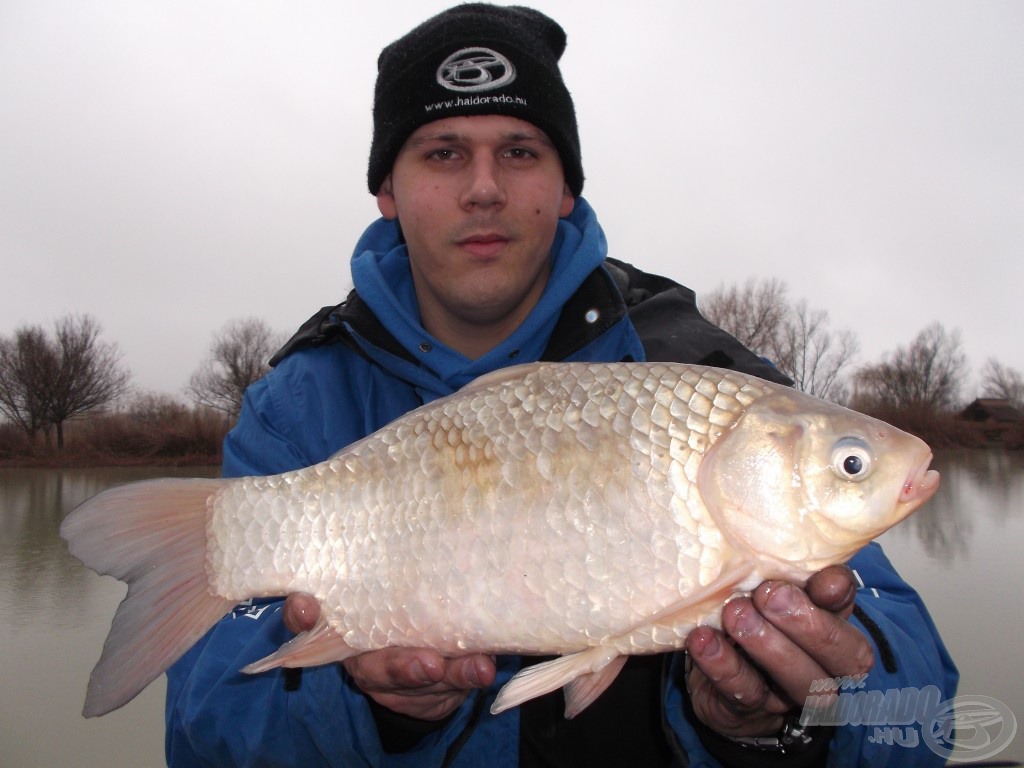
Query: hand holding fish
780	639
795	637
416	682
419	682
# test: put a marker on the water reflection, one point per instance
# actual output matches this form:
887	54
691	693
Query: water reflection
41	580
974	483
960	551
54	614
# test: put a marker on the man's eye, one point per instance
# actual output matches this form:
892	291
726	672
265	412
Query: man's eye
442	154
519	153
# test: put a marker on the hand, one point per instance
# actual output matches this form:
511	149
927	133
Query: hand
416	682
772	646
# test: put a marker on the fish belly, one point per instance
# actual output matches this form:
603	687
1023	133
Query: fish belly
539	513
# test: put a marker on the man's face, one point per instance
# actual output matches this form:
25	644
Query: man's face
478	199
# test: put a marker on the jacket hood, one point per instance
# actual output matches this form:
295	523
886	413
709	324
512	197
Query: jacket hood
382	278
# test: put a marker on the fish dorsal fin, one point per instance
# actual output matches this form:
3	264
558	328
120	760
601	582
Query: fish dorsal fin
501	375
319	645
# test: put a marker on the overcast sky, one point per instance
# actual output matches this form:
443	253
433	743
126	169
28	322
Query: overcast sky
169	166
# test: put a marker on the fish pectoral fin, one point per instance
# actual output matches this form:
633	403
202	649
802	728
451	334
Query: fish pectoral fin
707	598
587	674
319	645
600	665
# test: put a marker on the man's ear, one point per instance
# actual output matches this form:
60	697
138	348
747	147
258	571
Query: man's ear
386	199
568	202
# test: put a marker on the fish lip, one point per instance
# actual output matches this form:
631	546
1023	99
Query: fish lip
921	484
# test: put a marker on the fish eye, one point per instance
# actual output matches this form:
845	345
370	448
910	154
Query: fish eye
851	459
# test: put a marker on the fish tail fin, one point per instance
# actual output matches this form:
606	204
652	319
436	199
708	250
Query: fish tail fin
151	535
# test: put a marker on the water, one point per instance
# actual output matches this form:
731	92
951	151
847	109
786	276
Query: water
54	615
962	552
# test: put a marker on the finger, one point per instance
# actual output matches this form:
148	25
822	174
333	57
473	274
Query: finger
793	640
727	692
834	589
412	682
415	671
838	646
396	669
475	671
789	667
301	611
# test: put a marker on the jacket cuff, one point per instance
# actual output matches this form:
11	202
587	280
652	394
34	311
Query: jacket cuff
734	754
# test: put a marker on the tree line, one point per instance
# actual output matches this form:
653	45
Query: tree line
47	379
50	378
916	385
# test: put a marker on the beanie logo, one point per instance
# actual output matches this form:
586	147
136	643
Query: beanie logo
475	69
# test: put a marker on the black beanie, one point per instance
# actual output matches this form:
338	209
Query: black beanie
474	59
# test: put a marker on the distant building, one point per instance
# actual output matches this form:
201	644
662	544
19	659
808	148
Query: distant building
992	410
997	420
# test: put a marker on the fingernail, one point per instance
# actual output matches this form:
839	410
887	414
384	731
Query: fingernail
711	648
419	672
748	622
474	674
781	601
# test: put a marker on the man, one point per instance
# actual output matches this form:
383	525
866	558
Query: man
486	255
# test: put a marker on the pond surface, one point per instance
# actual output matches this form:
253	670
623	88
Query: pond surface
962	552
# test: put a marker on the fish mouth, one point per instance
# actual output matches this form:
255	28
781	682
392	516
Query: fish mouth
921	484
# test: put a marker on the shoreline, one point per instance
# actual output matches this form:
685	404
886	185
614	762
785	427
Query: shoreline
97	462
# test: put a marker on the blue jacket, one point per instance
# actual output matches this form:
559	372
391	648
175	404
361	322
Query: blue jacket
355	367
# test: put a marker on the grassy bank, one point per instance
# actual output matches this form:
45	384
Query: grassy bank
176	437
949	431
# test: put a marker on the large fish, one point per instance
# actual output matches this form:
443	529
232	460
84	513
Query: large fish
589	511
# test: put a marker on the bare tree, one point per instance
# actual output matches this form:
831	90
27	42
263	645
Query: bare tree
998	380
28	365
754	314
46	381
795	338
238	357
807	351
90	374
923	376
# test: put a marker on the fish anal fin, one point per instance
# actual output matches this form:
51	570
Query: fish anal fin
584	690
319	645
538	679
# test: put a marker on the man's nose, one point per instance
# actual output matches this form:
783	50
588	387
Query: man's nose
484	184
